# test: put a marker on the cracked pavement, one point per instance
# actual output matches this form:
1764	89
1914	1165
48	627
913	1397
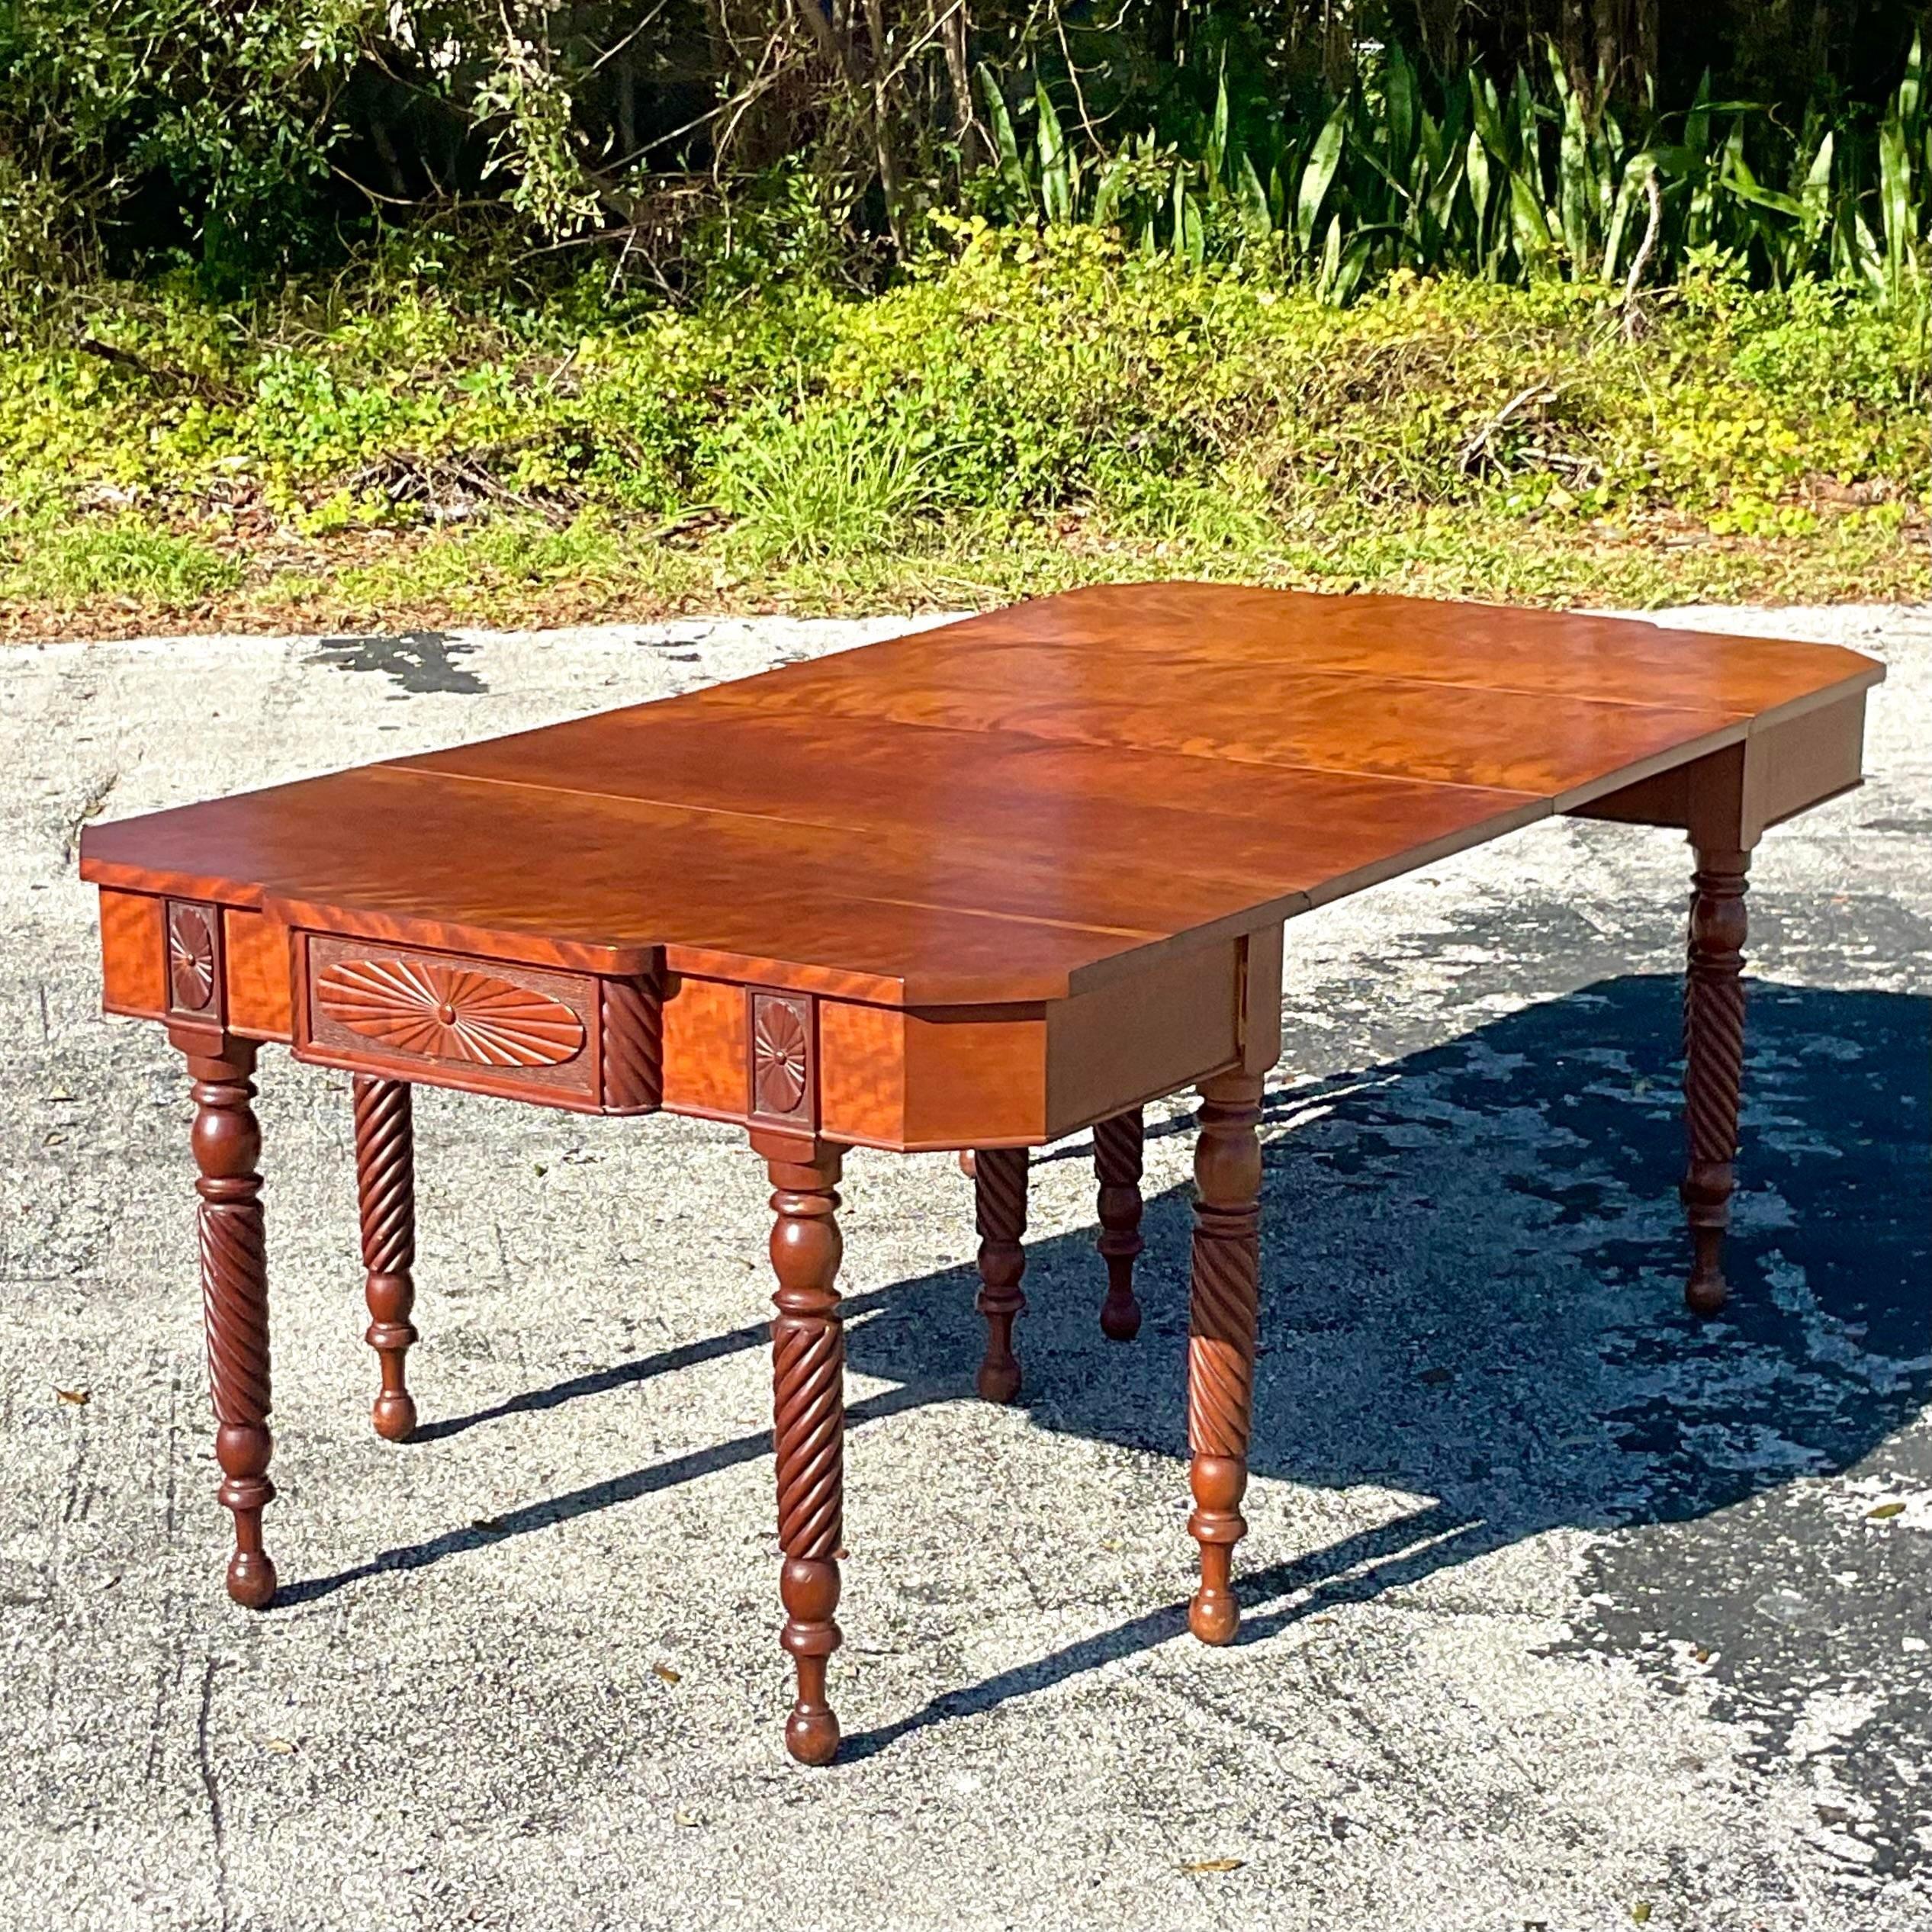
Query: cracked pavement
1562	1610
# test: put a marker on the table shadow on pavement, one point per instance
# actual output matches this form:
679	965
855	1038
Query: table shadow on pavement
1472	1263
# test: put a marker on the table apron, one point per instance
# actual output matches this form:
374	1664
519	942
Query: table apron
912	1079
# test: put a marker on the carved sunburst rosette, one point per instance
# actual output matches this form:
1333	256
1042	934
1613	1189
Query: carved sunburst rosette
190	958
449	1013
781	1057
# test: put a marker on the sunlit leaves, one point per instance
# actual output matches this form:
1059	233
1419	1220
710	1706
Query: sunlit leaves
1450	173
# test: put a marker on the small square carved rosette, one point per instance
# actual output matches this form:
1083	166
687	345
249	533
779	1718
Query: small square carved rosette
783	1029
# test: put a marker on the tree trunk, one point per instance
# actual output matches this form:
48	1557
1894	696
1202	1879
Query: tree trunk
966	123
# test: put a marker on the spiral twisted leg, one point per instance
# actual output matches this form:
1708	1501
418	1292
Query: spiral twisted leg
385	1178
999	1200
1221	1316
1118	1145
227	1144
807	1345
1714	1065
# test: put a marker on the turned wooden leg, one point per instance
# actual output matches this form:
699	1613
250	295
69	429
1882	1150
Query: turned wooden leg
1714	1064
385	1179
227	1144
807	1347
1117	1162
999	1200
1221	1317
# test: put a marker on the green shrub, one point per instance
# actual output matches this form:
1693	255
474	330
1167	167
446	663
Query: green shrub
1024	376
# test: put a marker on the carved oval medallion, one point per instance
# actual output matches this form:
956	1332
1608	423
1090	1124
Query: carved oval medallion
449	1013
190	958
780	1057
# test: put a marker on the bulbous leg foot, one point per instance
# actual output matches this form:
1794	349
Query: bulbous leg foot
393	1414
251	1579
1217	1482
810	1594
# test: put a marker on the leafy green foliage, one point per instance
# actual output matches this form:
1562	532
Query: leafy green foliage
1450	173
228	106
693	144
250	139
125	558
1027	378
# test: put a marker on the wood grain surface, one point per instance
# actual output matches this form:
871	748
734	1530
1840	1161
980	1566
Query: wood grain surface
1018	806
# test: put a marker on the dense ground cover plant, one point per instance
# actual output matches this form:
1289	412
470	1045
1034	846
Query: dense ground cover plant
1030	404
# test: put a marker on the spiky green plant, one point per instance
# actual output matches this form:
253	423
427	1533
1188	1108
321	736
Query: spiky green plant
1453	173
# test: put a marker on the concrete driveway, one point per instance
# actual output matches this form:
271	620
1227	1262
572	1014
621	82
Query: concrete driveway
1563	1612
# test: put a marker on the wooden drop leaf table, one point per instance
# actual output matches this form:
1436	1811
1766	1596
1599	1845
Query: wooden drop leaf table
972	889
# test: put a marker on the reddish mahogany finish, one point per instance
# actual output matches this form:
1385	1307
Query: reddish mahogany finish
807	1354
975	888
227	1143
999	1197
385	1175
1221	1306
1714	1065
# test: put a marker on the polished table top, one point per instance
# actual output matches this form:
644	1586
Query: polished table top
1019	806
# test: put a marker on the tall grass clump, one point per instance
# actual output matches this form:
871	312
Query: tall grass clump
827	482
